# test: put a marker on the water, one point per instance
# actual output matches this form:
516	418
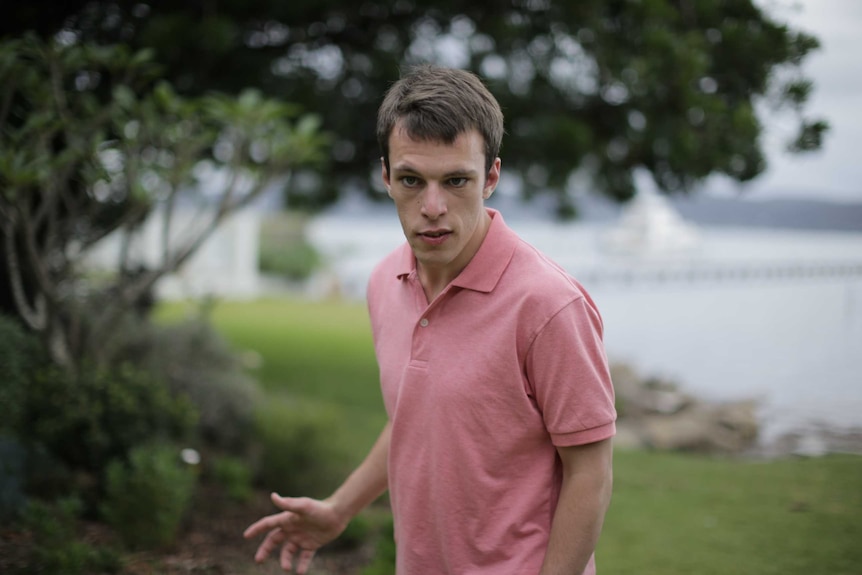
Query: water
793	345
780	323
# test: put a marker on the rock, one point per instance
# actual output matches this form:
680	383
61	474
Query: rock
723	428
639	396
654	412
628	436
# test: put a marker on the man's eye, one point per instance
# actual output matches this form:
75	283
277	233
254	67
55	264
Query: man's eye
410	181
458	182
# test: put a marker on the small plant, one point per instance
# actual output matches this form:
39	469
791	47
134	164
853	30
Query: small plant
56	549
294	262
384	555
196	362
148	496
301	453
357	532
19	354
284	250
89	419
234	476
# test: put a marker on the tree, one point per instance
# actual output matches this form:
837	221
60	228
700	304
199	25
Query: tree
90	144
595	87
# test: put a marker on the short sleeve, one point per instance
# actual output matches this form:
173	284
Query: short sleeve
568	372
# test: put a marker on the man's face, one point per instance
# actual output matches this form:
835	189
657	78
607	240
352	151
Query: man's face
439	192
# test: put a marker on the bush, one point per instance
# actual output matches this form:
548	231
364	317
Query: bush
195	361
235	476
56	548
294	262
356	533
384	555
302	451
284	251
19	354
86	420
147	497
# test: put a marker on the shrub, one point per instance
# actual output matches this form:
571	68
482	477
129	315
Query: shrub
147	497
356	533
384	555
296	261
19	353
89	419
195	361
284	251
56	548
235	476
302	452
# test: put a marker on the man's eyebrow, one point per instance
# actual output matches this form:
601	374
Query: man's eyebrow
403	168
457	173
461	174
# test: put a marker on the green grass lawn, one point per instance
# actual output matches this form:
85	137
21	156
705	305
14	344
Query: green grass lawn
671	514
319	349
319	353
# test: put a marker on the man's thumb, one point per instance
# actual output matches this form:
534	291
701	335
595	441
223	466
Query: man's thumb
294	504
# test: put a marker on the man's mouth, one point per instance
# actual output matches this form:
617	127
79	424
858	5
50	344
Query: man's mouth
434	237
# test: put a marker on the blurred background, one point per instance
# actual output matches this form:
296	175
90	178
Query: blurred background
191	207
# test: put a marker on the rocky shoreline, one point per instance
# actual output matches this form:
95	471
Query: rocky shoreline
657	414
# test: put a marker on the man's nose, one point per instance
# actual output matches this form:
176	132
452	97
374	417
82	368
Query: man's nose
433	201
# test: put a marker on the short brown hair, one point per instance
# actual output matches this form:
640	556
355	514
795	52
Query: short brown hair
440	104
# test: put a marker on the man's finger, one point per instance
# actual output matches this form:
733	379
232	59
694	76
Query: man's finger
269	543
287	552
263	525
305	557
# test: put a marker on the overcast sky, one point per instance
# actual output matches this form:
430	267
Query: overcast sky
835	172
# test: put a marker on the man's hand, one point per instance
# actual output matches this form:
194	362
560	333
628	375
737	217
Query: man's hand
303	526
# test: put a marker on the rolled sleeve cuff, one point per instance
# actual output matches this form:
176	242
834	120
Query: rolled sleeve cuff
584	436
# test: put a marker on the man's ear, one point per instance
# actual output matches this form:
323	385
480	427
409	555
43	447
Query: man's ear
492	179
384	175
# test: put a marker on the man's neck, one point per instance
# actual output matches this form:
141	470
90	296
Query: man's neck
434	279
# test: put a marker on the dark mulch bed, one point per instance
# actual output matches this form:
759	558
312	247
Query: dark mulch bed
210	543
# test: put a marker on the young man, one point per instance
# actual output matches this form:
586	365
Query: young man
497	453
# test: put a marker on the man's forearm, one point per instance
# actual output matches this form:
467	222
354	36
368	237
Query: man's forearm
367	482
584	499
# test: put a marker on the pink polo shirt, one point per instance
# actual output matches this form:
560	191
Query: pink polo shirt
480	385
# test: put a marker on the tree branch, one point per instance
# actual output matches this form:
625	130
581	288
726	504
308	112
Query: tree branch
35	316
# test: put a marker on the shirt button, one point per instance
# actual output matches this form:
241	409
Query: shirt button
423	322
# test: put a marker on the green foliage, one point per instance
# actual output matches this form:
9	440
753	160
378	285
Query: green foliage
312	350
599	87
195	362
57	549
19	354
147	496
354	535
235	476
89	419
284	250
384	554
91	142
309	348
296	260
301	448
